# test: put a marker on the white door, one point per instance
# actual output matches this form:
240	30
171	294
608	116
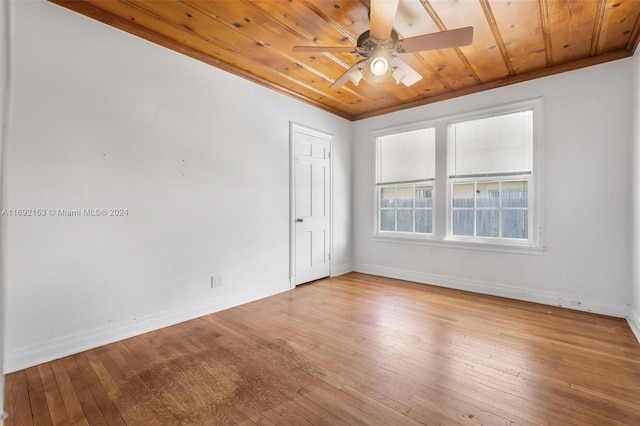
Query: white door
311	204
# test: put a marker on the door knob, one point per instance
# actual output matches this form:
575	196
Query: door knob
299	219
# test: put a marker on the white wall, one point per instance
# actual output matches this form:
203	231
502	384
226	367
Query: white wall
587	199
200	158
633	316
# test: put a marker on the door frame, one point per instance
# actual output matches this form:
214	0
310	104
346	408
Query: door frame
293	128
6	93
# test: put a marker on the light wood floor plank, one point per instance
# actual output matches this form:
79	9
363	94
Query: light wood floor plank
72	405
350	350
39	408
17	399
57	410
87	401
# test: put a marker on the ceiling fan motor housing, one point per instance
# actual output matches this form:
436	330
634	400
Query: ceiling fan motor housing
366	44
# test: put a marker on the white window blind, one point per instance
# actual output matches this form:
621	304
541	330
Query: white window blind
407	157
491	146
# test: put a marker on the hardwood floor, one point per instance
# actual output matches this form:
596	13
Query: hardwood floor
355	349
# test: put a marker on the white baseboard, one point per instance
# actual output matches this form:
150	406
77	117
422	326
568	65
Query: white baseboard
58	348
634	322
341	269
527	294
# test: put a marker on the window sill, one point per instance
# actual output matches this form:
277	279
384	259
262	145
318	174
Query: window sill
460	245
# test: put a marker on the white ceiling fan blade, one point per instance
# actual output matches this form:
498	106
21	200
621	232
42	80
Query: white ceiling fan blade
382	14
345	77
403	73
321	49
441	40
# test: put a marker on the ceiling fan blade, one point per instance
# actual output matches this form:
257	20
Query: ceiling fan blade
328	49
441	40
345	77
403	73
382	14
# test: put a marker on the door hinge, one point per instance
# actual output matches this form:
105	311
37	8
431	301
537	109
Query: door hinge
329	256
329	154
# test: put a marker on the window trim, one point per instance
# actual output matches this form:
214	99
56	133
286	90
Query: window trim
462	245
441	236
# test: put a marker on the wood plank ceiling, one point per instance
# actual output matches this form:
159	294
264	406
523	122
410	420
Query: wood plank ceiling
514	41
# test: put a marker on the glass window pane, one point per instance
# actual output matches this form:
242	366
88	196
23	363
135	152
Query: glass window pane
515	194
387	196
387	220
424	222
405	221
487	223
488	194
462	222
424	195
404	196
463	195
515	224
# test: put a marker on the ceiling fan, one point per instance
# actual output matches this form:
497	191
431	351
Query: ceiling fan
381	45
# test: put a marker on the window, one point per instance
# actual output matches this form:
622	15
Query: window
490	164
405	181
466	179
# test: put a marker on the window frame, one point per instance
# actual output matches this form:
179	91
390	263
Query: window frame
377	187
442	186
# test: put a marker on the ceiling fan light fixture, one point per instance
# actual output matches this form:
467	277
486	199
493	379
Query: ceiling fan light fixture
356	75
379	66
403	73
379	62
398	74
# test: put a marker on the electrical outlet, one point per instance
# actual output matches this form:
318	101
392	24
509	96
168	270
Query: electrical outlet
216	281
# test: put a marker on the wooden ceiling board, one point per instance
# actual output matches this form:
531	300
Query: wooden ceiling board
352	16
300	19
436	66
520	26
617	27
634	37
274	39
428	65
487	62
514	41
571	24
413	19
464	74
